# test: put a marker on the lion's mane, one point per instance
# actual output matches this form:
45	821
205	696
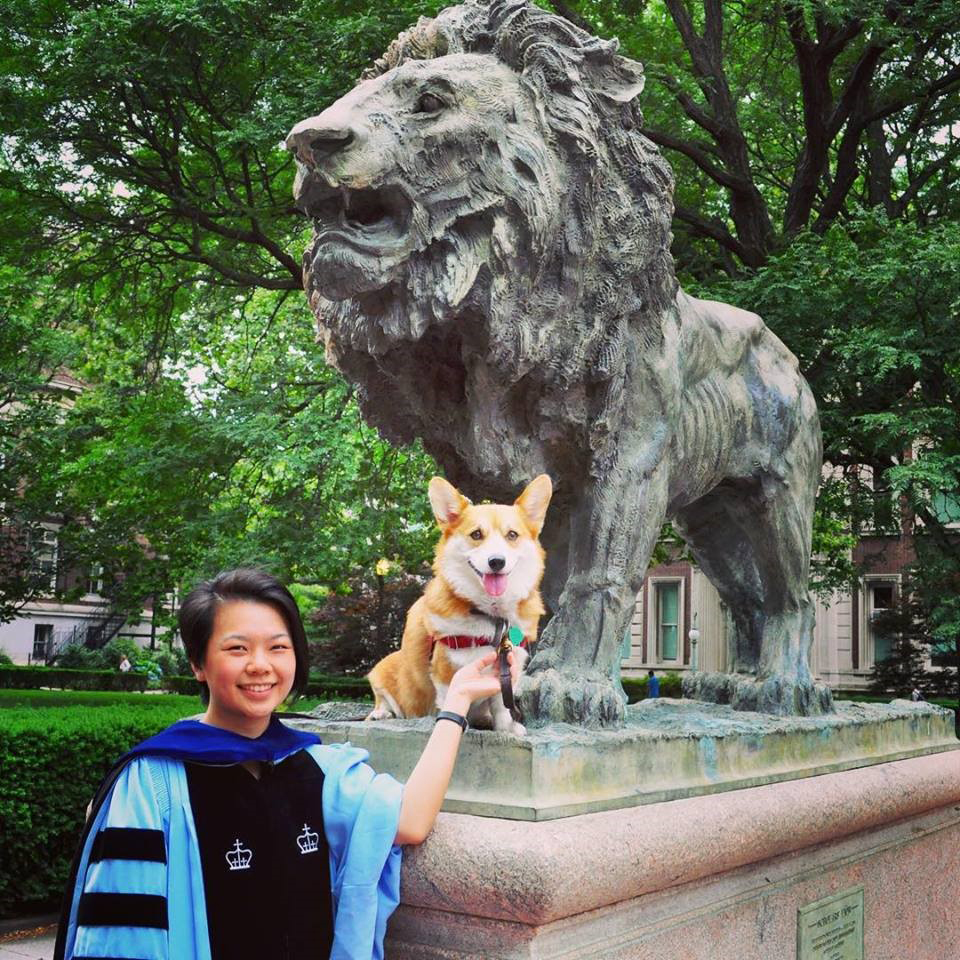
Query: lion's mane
596	277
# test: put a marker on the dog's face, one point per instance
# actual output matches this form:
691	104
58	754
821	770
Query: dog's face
490	554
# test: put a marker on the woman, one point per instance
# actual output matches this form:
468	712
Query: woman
235	836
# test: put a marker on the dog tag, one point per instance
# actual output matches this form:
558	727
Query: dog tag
516	636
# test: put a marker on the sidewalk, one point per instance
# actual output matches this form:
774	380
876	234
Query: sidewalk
34	946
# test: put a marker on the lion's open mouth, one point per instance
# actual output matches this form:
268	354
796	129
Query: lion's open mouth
375	217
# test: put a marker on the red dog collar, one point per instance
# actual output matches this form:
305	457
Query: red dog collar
463	643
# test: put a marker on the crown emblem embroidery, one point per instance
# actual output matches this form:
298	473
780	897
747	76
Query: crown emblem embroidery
308	841
239	857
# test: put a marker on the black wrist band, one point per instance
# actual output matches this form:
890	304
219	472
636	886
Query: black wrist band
459	720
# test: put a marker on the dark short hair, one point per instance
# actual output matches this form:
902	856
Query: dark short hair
199	608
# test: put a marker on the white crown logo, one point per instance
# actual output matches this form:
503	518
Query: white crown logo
308	841
239	857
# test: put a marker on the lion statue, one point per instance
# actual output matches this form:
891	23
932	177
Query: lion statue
491	266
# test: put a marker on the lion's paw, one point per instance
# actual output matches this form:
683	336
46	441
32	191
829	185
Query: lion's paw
551	696
781	696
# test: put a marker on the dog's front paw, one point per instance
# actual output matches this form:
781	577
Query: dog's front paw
503	722
381	713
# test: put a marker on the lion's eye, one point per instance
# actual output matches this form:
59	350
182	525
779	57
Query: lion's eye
476	535
512	534
429	103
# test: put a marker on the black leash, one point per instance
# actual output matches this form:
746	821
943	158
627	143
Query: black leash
503	645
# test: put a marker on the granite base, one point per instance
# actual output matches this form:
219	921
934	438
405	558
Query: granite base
703	878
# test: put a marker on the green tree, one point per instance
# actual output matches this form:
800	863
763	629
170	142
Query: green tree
150	132
873	316
34	344
260	458
816	159
783	117
148	230
148	238
905	630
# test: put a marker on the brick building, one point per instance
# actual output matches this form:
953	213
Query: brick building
676	597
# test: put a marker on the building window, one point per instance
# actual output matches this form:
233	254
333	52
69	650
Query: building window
667	608
46	556
877	509
42	639
95	579
881	595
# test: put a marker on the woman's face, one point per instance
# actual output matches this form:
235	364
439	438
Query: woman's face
249	666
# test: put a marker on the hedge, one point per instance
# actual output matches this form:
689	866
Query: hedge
636	687
339	688
32	678
333	687
45	699
51	762
185	685
325	687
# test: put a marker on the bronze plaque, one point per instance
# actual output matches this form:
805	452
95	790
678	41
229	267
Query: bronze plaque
832	928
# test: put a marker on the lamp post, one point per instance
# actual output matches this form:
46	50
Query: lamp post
693	636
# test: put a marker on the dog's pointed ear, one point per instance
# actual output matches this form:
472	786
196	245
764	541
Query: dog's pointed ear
447	501
534	500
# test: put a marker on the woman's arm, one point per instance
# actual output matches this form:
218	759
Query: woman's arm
427	784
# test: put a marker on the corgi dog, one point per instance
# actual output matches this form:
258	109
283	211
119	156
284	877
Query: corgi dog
488	566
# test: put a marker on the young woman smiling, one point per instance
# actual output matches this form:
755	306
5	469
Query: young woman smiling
276	845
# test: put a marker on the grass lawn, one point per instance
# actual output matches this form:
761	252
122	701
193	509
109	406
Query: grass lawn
186	706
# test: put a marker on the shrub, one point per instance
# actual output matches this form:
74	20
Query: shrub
356	629
31	678
182	684
5	660
636	687
78	657
51	761
120	647
167	662
339	688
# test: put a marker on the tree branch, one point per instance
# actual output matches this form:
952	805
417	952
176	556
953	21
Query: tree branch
692	109
714	230
748	209
924	177
568	13
697	153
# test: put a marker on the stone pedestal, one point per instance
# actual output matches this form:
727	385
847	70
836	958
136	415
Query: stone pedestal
669	749
721	877
695	833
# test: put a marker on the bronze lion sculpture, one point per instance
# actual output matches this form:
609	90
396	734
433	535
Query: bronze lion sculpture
491	266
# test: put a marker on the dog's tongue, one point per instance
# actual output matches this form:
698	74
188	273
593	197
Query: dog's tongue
494	583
